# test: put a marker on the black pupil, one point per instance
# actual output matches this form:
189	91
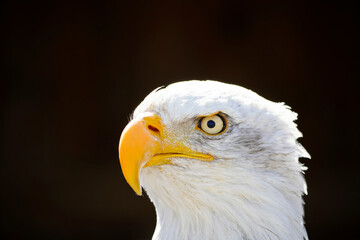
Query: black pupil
211	124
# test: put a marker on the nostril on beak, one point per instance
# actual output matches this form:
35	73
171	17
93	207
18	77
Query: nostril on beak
153	128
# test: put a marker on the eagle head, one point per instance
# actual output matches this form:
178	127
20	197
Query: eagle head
218	161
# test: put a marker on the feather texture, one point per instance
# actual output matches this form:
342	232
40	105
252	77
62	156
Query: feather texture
251	190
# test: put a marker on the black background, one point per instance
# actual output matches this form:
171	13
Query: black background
74	71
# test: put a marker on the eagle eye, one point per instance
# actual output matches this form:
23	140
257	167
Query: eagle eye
212	125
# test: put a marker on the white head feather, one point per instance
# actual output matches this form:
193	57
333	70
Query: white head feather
251	190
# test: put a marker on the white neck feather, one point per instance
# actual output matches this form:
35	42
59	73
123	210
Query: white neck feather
226	202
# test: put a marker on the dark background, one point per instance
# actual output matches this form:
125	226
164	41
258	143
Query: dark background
74	71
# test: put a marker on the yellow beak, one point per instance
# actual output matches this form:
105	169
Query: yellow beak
144	143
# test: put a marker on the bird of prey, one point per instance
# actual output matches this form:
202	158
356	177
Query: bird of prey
218	161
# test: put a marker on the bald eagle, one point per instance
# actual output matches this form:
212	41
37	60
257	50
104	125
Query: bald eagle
218	161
